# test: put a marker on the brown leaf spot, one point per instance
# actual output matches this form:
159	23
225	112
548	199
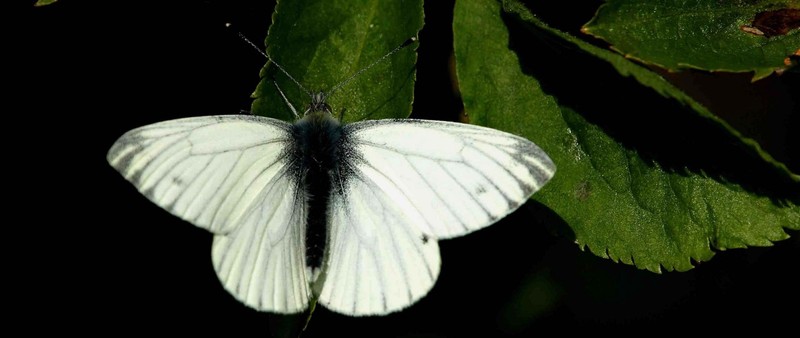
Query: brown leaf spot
774	23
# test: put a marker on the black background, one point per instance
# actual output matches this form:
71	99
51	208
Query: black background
112	263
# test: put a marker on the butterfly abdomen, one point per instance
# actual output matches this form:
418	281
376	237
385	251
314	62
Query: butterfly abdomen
318	136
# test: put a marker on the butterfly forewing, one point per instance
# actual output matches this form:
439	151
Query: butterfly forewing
450	178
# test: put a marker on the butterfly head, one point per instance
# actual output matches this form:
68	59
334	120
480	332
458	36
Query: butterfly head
318	104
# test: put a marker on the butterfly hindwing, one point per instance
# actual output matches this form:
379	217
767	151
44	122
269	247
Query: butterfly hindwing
262	263
378	261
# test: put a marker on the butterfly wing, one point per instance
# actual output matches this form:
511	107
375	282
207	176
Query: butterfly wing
234	176
262	263
407	183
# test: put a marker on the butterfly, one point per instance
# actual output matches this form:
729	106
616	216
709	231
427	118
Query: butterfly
345	215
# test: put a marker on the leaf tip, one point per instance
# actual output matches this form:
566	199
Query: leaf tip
40	3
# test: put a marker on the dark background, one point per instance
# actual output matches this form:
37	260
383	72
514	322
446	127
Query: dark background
111	262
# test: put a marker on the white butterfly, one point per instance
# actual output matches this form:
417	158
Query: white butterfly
347	215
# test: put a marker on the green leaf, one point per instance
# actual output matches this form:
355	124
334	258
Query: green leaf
322	43
40	3
648	79
703	34
651	184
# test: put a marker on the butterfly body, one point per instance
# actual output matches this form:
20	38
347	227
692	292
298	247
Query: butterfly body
317	152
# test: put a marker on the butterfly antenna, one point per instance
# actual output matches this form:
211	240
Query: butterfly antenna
294	111
270	59
395	50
